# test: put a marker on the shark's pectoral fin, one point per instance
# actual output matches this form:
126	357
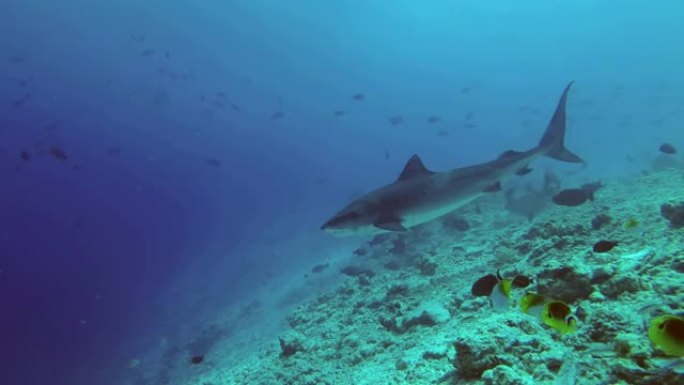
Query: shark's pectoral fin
494	187
389	222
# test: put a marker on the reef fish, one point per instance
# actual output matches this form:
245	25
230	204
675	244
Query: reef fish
196	359
577	196
604	246
667	148
558	315
666	332
58	153
483	287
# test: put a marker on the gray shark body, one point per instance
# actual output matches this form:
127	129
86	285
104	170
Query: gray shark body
420	195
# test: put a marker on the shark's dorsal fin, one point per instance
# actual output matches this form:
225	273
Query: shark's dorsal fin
414	168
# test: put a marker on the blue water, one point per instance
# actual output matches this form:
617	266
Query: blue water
179	178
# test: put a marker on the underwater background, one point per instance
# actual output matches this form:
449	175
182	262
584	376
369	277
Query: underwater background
166	167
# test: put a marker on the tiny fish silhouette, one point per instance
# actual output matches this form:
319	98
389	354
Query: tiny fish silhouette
359	97
277	115
25	156
213	162
469	115
339	112
197	359
22	100
396	120
319	268
58	153
434	119
17	59
147	52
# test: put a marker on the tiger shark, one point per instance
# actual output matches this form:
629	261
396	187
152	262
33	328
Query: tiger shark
420	195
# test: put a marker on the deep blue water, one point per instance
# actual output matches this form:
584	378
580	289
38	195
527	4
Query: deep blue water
177	162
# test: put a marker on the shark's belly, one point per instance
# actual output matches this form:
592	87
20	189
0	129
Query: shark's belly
427	212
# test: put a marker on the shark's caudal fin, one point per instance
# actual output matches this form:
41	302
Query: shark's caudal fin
552	141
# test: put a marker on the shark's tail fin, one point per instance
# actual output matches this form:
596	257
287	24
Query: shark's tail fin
552	141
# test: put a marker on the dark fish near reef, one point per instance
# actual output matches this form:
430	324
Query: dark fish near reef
434	119
604	246
25	156
570	197
359	97
483	287
667	148
213	162
196	359
577	196
58	153
521	281
396	120
319	268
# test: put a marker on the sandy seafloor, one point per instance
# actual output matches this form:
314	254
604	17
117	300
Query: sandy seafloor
408	316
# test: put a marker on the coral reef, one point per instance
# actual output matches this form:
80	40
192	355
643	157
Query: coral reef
673	213
403	313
